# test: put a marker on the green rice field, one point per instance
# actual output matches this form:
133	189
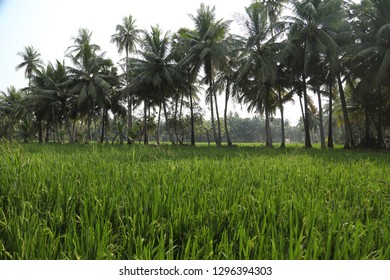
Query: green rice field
137	202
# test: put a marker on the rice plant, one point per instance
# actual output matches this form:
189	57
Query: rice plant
121	202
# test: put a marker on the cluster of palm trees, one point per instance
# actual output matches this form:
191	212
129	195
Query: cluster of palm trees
332	48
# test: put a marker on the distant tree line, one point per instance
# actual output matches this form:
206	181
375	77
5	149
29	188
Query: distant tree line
332	49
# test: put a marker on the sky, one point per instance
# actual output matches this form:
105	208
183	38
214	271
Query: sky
49	26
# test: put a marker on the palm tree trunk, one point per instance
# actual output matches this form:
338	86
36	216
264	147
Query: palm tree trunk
212	112
218	120
229	141
89	122
129	101
158	124
283	144
268	143
330	129
306	120
58	135
74	130
47	132
89	135
68	127
379	131
348	131
103	122
366	124
322	136
301	105
40	132
54	123
180	140
146	140
207	135
192	120
167	124
268	138
175	118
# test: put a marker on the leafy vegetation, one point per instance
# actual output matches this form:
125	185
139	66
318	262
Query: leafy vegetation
181	202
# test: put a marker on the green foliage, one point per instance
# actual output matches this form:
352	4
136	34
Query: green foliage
139	202
276	58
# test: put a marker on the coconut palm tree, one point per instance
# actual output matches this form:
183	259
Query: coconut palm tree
207	50
284	95
258	72
12	109
371	64
31	62
226	79
91	82
309	27
156	77
82	41
181	45
126	38
49	98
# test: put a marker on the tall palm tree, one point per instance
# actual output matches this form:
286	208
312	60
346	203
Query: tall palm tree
207	50
126	38
12	108
309	26
82	41
181	45
273	10
372	62
284	95
227	76
91	82
259	68
45	97
31	61
155	73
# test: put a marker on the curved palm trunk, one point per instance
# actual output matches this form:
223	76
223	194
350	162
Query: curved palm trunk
229	141
348	139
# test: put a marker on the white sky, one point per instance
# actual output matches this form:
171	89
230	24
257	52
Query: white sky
50	25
